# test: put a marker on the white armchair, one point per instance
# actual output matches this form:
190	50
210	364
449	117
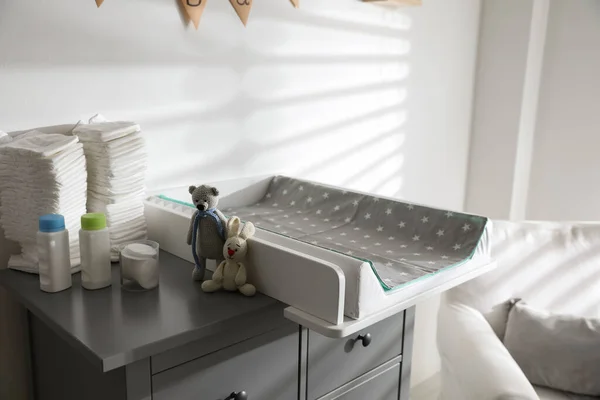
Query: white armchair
553	266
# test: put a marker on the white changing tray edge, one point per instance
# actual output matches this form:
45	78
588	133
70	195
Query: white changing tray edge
352	326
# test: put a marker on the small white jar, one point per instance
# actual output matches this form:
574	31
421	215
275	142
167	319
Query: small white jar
54	257
139	265
94	243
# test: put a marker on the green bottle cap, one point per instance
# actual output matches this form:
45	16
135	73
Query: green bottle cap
93	221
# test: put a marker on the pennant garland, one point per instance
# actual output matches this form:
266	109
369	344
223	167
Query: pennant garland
242	8
195	8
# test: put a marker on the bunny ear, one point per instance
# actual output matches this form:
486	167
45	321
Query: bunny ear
248	230
233	227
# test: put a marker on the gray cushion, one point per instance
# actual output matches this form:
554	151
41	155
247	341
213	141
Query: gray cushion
557	351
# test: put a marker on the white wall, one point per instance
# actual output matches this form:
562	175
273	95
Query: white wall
339	91
565	172
561	164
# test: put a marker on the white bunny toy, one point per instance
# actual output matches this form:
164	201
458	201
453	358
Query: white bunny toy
231	273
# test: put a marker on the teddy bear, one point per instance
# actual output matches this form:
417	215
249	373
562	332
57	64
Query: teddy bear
206	233
231	273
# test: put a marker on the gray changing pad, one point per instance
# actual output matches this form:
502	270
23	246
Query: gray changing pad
402	242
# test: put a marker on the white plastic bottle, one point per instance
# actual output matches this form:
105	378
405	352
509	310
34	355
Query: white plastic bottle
94	243
54	258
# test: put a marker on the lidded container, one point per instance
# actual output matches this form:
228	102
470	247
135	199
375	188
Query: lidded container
94	243
54	258
139	265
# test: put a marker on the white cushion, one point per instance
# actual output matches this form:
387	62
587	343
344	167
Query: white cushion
555	266
554	350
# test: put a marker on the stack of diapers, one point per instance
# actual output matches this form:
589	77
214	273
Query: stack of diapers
40	173
116	164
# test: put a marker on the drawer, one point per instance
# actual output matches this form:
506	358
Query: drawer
265	367
384	385
334	362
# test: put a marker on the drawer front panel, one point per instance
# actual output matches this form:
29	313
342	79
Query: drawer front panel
385	386
265	367
335	362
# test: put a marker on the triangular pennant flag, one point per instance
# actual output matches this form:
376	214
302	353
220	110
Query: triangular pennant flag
99	2
242	8
296	3
194	9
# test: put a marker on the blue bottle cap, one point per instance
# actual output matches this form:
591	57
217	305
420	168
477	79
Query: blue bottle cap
52	223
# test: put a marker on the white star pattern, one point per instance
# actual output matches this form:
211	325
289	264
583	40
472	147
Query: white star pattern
449	214
275	204
353	241
416	254
403	246
410	206
402	224
258	223
416	238
343	234
355	203
425	220
466	227
301	188
440	232
277	226
377	244
431	262
284	232
363	247
389	251
336	208
367	216
391	238
292	223
429	248
286	216
357	229
284	192
305	219
388	264
338	244
388	211
456	247
268	196
350	252
309	199
326	220
380	228
314	242
375	200
403	259
292	203
348	219
298	212
319	212
445	257
367	236
329	238
312	225
325	195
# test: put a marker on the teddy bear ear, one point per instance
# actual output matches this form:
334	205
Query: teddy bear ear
215	191
191	189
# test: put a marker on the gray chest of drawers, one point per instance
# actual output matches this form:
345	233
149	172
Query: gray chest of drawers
179	343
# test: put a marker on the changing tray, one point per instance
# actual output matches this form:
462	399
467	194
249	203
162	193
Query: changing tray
376	254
